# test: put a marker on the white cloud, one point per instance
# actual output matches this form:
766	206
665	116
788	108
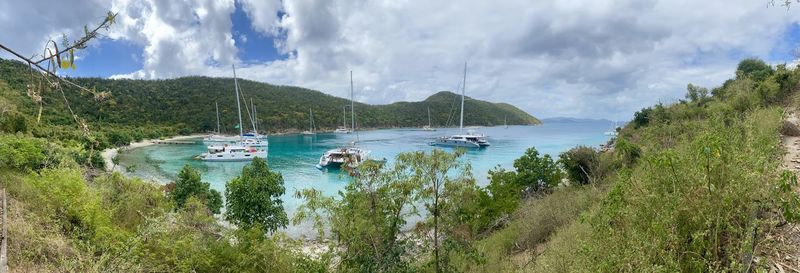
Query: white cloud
262	13
179	37
604	58
26	26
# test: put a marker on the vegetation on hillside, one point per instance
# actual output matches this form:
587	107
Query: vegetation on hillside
690	187
187	105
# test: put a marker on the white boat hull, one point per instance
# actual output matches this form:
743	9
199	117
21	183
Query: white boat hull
455	143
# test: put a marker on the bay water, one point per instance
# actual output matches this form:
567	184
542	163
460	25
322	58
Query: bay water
295	156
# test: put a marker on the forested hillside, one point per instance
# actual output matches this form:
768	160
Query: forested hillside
187	104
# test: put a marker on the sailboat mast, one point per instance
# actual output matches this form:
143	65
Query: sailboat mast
255	118
310	120
216	105
429	116
238	105
352	104
463	87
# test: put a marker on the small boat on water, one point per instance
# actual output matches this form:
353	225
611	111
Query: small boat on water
349	156
469	140
343	129
428	127
311	130
245	150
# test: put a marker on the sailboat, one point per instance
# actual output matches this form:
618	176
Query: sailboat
253	138
233	152
505	121
343	129
311	130
428	127
217	137
469	140
350	155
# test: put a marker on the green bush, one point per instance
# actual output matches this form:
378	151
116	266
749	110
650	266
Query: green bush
580	164
253	198
536	173
189	185
21	153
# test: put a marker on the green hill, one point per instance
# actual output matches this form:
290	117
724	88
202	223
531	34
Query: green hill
187	104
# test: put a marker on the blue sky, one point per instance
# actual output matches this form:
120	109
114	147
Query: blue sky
601	58
107	57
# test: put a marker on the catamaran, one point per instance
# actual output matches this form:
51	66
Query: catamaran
469	140
234	152
428	127
311	130
350	155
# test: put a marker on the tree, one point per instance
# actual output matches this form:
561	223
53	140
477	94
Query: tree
696	93
579	163
253	198
188	185
754	68
536	173
642	117
367	218
443	196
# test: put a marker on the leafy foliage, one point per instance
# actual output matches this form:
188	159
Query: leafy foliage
580	164
367	219
190	185
253	198
186	105
536	173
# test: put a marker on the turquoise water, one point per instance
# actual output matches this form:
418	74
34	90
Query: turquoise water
295	156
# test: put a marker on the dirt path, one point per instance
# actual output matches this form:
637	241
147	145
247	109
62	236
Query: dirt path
785	257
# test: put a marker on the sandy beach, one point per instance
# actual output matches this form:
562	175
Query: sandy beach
109	154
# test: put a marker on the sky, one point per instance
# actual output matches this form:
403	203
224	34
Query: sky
585	59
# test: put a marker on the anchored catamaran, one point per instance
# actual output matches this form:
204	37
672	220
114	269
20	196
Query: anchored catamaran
350	155
234	152
469	140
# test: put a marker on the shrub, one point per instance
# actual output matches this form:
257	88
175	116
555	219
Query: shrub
580	163
253	198
21	152
755	68
188	185
536	173
627	151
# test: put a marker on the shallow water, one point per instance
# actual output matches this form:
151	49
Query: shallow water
295	156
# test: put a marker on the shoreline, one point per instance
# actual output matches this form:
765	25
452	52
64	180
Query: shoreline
110	153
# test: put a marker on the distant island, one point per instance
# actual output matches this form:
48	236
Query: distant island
187	105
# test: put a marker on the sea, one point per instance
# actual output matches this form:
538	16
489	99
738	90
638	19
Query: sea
295	156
